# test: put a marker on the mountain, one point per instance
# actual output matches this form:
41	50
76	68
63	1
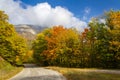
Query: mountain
28	31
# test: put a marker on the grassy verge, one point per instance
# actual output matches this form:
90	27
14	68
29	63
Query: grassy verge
7	70
85	74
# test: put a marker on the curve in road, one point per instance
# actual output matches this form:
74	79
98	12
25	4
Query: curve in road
31	72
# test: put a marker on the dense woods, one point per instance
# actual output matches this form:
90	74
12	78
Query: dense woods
97	46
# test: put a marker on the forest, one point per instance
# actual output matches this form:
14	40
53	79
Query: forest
98	46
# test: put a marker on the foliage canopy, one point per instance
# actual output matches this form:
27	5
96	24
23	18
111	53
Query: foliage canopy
12	46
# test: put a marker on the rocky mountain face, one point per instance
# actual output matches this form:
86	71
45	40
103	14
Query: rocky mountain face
28	31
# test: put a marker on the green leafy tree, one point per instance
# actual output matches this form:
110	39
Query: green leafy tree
39	45
99	38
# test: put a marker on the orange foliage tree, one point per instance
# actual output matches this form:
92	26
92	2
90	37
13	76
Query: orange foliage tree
62	47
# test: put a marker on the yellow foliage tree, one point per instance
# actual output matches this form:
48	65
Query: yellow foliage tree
12	46
113	22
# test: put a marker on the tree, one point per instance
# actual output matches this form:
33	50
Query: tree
60	46
113	22
12	46
85	48
39	45
99	37
97	46
105	40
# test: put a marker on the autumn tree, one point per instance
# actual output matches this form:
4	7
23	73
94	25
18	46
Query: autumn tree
85	47
58	46
97	46
39	45
99	40
104	41
113	22
12	46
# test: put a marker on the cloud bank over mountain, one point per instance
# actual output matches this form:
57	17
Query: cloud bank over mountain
41	14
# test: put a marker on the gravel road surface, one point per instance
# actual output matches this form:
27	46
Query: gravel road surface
31	72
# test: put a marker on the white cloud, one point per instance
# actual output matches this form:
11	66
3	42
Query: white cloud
87	11
41	14
102	21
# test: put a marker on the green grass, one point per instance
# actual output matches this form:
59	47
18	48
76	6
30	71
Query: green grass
7	70
85	74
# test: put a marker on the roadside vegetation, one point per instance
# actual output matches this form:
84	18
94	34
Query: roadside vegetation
97	46
12	46
7	70
13	49
85	74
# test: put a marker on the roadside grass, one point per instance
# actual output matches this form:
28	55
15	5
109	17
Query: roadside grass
85	74
7	70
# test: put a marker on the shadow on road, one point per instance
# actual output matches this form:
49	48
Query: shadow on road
30	65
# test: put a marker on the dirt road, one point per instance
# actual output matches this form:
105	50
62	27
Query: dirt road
31	72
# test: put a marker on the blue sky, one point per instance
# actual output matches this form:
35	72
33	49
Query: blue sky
78	7
48	13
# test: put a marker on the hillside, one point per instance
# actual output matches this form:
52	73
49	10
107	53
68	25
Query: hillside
28	31
7	70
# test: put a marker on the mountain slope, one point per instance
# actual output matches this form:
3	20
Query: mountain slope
28	31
